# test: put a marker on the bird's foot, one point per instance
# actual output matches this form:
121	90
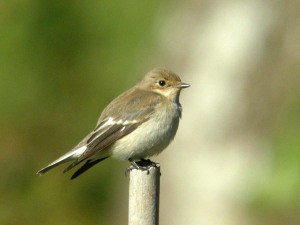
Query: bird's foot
143	164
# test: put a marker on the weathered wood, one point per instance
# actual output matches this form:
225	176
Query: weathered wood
144	196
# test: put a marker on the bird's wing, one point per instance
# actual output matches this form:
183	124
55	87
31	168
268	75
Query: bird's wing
116	126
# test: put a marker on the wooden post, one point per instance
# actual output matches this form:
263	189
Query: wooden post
144	196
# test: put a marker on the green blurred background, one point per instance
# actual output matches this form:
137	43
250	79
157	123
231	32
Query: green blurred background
61	62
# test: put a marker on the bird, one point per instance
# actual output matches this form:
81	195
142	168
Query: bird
139	123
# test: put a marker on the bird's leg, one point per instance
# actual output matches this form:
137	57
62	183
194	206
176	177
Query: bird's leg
143	164
146	162
134	164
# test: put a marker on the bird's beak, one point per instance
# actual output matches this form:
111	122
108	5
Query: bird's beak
183	85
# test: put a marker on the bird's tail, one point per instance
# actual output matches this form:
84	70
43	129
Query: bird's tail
88	164
73	154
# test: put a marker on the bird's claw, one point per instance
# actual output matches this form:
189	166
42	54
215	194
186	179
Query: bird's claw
143	164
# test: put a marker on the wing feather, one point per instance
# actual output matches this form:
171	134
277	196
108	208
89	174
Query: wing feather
111	129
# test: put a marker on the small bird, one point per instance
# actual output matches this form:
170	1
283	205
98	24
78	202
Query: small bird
137	124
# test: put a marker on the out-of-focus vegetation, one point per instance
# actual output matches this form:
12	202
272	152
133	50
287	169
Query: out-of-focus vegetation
276	198
62	62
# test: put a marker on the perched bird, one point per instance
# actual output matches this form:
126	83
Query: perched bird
139	123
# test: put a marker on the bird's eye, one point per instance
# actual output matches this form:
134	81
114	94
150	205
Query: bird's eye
162	83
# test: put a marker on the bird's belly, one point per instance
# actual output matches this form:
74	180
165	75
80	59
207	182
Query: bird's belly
148	139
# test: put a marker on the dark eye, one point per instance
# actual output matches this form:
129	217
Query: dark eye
162	83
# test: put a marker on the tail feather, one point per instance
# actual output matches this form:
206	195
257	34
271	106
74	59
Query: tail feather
73	154
88	164
51	166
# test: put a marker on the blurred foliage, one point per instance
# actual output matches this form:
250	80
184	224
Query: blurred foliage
277	197
61	62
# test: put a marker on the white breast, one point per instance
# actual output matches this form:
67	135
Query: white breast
150	138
